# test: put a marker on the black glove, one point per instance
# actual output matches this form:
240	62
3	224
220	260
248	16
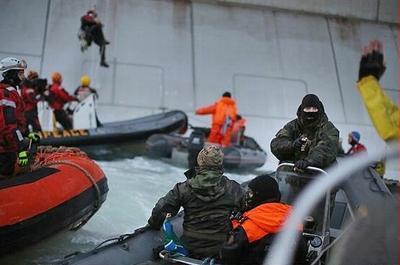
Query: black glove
301	164
372	63
298	143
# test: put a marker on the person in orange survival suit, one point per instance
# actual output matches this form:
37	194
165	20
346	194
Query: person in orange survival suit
12	121
223	116
238	130
57	98
253	231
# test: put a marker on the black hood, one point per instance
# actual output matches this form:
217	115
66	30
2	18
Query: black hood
310	100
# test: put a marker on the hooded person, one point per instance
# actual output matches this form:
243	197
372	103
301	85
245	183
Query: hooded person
207	197
253	230
309	140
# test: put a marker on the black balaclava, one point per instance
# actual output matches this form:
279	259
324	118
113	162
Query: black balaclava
11	77
261	189
310	100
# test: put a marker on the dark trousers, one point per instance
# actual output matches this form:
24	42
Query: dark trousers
7	163
32	119
63	118
95	33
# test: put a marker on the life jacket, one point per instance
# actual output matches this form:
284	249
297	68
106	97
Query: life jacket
263	220
237	130
28	95
11	137
58	96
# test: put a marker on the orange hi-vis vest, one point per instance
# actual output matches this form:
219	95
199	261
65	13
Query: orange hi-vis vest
265	219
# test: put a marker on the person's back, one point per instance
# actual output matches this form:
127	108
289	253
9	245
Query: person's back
309	140
208	198
254	229
223	113
58	97
225	108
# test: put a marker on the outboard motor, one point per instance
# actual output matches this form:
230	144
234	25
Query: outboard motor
196	143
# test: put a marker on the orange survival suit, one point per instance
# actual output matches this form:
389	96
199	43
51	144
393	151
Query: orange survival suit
238	129
223	116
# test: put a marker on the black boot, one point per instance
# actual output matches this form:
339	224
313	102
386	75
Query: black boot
103	56
104	64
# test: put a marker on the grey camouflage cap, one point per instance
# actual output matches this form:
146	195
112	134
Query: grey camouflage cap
210	156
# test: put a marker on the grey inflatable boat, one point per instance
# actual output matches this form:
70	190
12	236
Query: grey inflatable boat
176	149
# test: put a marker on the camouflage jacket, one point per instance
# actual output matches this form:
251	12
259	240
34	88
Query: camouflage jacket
322	145
207	198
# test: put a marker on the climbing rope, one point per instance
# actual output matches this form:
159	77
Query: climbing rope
50	156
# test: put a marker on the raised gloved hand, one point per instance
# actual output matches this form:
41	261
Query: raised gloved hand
301	164
23	158
35	137
372	61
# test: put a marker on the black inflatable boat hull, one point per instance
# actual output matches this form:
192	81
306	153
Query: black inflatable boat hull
174	148
134	130
136	248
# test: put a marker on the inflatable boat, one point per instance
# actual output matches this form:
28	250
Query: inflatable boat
175	148
89	131
143	245
118	132
62	189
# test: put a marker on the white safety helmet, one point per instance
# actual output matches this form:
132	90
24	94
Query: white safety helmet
11	63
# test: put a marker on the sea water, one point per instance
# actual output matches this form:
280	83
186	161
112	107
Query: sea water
134	187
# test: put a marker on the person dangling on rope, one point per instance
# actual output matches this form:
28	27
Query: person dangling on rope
92	30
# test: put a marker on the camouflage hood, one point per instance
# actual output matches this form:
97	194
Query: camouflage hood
208	183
